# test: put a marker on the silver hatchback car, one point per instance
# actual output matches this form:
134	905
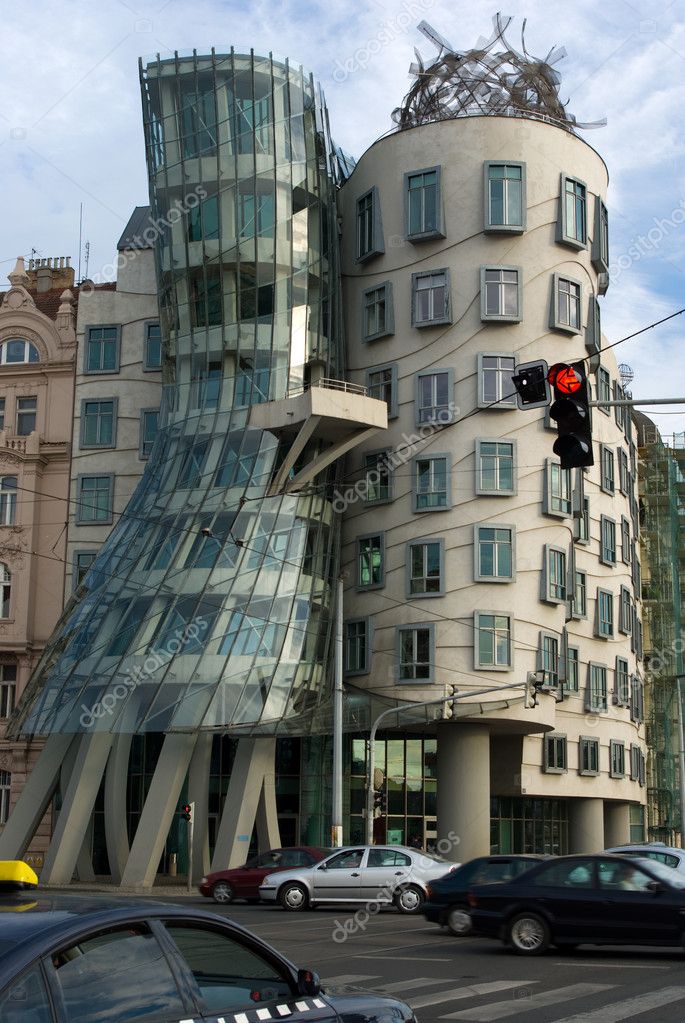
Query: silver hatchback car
670	855
384	874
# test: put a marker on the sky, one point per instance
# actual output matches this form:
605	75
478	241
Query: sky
71	129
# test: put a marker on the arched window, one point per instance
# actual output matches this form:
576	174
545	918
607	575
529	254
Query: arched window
8	500
17	350
5	590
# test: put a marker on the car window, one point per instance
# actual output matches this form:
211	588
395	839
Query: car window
674	878
229	975
346	859
520	866
622	876
670	861
122	971
387	858
296	858
500	870
25	1000
569	874
273	858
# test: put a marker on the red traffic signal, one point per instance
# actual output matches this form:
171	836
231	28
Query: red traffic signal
187	812
565	379
571	411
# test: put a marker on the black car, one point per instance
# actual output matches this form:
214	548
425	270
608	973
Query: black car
583	900
447	904
91	960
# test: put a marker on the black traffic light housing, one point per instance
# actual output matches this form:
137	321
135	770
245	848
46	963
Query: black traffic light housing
571	411
532	386
187	812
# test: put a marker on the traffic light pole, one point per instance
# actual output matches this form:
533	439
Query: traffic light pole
636	401
371	742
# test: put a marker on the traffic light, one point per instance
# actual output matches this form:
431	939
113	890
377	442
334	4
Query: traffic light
532	387
534	683
448	705
187	812
571	410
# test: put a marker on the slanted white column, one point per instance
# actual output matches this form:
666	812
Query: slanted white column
198	793
34	799
254	760
116	787
463	791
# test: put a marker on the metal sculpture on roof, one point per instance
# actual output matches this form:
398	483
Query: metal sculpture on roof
502	81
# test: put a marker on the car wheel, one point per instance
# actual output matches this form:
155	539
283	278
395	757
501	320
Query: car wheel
528	934
459	921
293	897
409	899
223	893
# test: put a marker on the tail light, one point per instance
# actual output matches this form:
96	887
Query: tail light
429	891
473	900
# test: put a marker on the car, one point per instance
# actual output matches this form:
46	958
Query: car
446	902
670	855
82	959
377	874
594	899
243	882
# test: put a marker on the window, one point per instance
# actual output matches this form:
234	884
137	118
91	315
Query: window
370	561
197	116
206	298
600	240
434	392
619	411
27	409
603	389
572	225
5	590
581	525
573	669
251	115
94	495
623	472
430	298
192	462
593	328
153	347
625	611
203	220
16	350
500	293
555	753
357	646
378	477
377	312
8	500
415	653
2	413
566	299
98	423
558	497
369	227
621	695
494	550
617	759
548	658
505	196
102	349
580	594
494	381
82	562
493	640
8	687
637	699
607	479
626	551
604	625
432	483
251	386
5	796
596	697
423	205
256	215
588	755
607	551
381	383
495	467
554	575
149	423
425	568
637	764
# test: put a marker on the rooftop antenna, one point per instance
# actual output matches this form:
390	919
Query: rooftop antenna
80	232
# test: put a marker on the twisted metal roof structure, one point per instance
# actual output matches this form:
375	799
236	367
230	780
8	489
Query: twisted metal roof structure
486	80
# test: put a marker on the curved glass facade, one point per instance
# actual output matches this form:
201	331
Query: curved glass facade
210	605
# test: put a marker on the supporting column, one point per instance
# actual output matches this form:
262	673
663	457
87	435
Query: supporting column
254	759
268	831
616	824
198	793
116	820
34	799
463	791
77	807
84	860
586	826
158	811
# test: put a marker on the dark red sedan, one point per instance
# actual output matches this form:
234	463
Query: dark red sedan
243	882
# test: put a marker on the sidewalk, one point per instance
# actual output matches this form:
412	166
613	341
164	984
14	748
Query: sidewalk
171	887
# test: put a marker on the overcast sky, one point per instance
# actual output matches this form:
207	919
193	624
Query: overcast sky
70	121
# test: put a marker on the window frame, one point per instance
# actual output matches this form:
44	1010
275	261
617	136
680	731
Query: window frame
600	237
390	477
599	633
445	317
626	552
149	367
607	481
87	371
579	583
414	627
8	499
488	225
546	595
377	246
608	550
393	404
424	542
558	762
587	746
505	402
564	236
545	636
477	665
367	621
501	317
360	586
83	446
617	759
8	689
389	327
432	457
625	611
621	694
593	327
551	467
500	491
582	535
79	520
75	568
597	692
555	321
22	412
478	576
439	418
435	232
141	432
568	685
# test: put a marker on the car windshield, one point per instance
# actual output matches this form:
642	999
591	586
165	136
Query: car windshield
672	877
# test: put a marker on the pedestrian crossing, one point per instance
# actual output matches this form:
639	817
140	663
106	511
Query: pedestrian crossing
515	999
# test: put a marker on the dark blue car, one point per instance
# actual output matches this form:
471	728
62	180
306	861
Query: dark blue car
70	959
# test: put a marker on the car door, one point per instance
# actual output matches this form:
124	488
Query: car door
633	908
25	999
246	880
339	877
568	894
231	975
382	871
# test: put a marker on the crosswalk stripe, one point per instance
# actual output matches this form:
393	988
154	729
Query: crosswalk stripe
467	991
349	978
411	985
513	1006
628	1007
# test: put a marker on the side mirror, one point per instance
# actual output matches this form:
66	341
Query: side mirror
655	886
308	982
322	866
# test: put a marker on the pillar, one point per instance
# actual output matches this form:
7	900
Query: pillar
254	761
116	809
586	826
198	793
616	824
463	791
34	799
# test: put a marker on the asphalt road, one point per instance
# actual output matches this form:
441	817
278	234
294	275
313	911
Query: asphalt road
446	978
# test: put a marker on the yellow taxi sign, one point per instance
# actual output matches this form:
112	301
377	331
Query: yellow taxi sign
15	875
